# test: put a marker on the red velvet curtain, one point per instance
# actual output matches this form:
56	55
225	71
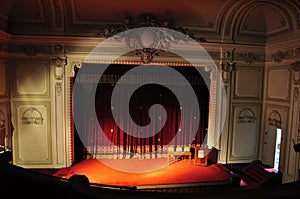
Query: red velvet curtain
103	130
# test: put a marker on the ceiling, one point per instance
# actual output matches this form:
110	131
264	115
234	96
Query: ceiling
230	21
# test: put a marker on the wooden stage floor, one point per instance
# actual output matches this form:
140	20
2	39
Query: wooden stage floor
178	173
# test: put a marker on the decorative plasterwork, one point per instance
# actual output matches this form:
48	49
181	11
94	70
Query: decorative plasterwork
227	66
296	68
143	20
249	58
279	57
32	116
296	78
59	63
146	42
246	116
230	18
275	119
58	13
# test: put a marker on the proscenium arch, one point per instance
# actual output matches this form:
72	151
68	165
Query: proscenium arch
194	55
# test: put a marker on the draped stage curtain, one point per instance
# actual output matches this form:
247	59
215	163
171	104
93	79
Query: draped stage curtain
100	132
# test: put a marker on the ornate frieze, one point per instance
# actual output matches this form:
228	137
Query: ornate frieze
249	58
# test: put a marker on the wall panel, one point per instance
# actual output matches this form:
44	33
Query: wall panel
243	141
33	133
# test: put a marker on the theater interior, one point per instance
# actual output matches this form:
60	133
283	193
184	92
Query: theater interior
152	99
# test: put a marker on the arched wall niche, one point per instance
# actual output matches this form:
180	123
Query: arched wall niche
235	18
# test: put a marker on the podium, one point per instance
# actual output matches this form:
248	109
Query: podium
200	157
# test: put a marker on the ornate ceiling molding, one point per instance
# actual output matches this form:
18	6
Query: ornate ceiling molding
162	38
143	20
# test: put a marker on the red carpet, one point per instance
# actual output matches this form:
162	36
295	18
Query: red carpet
180	172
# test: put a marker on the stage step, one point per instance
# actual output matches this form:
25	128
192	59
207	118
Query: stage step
257	174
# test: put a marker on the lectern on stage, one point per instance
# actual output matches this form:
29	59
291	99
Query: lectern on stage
200	157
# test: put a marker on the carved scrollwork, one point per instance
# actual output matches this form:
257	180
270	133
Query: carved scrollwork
296	68
159	39
249	58
275	119
227	67
32	116
246	116
143	20
296	94
278	57
59	64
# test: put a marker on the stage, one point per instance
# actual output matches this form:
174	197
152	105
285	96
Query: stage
181	173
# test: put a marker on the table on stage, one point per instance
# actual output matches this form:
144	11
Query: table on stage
179	154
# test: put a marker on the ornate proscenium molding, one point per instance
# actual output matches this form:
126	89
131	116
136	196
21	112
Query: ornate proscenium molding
227	66
59	63
160	39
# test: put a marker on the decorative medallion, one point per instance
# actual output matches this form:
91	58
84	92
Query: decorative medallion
32	116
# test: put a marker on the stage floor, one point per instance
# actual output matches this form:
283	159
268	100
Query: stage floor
180	172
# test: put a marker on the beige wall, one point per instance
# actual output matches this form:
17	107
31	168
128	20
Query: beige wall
39	86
